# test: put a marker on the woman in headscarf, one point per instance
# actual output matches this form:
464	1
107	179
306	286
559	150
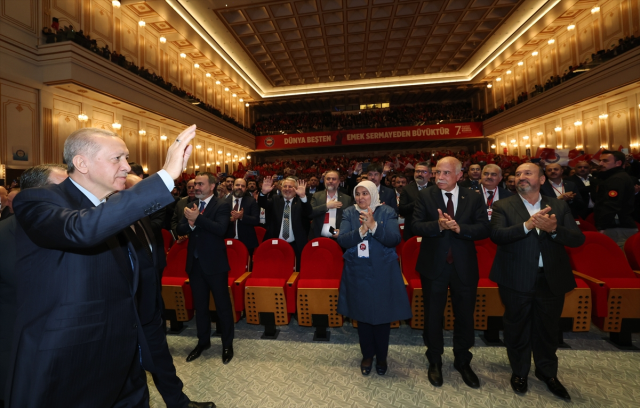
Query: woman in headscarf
372	289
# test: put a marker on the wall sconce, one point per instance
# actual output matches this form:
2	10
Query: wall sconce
489	86
208	75
217	163
503	144
525	137
219	151
208	164
163	40
527	146
493	146
498	79
520	63
183	55
145	169
217	82
115	3
141	23
509	72
233	160
513	141
197	167
559	146
142	132
242	158
163	137
557	128
595	10
198	147
116	125
82	117
248	157
240	100
196	65
571	27
577	123
551	41
535	53
603	116
228	154
539	133
542	146
246	104
234	95
209	148
226	89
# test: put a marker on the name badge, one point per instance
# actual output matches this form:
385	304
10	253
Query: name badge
363	249
489	211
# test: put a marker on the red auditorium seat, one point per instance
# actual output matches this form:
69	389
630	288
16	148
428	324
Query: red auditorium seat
614	286
318	285
270	291
260	231
167	238
176	292
410	252
238	257
632	250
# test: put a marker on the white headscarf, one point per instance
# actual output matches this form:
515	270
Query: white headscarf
373	192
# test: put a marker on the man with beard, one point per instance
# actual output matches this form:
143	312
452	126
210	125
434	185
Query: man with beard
178	213
533	273
473	183
614	199
491	176
409	195
245	214
206	224
566	190
327	207
252	188
228	183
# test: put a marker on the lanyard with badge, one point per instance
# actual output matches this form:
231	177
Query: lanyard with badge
363	248
489	201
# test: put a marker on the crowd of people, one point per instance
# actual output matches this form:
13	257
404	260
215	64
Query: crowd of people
602	56
90	217
55	34
400	115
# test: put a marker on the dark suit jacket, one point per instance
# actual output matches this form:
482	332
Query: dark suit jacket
471	216
319	209
77	279
299	216
178	213
585	191
208	237
408	199
6	213
251	218
318	189
516	263
577	205
503	193
8	301
467	184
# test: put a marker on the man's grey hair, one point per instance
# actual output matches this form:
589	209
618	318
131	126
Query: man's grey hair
38	176
291	178
82	142
426	164
456	162
493	166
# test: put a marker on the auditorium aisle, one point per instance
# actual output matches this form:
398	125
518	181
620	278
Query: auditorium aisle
294	371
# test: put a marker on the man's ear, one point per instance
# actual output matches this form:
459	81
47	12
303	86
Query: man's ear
81	164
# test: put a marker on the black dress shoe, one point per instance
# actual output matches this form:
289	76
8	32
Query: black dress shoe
468	376
519	384
193	404
197	351
381	367
364	368
435	374
554	386
227	355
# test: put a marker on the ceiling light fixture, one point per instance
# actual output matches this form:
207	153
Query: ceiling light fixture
240	100
228	154
503	144
248	156
198	147
115	3
246	104
498	79
226	89
163	40
219	151
208	75
525	137
234	95
183	55
571	27
509	72
535	53
82	117
539	133
141	23
217	82
595	10
493	146
209	149
520	63
196	65
489	86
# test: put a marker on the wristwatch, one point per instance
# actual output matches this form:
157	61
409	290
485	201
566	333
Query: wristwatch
553	233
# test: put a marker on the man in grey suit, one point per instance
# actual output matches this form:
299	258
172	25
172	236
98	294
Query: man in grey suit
178	213
533	273
327	206
36	176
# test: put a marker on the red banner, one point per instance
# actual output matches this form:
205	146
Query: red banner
368	136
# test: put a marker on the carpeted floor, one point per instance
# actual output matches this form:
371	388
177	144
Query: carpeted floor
295	371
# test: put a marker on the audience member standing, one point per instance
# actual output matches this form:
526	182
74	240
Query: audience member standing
409	196
371	290
449	218
584	180
327	207
374	174
533	273
206	222
489	183
473	183
245	215
179	211
614	199
565	190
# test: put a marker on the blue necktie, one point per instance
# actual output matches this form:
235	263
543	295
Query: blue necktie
202	204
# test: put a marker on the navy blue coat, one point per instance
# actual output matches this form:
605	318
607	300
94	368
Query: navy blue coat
372	289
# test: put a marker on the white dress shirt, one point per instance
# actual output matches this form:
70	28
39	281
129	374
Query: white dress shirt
291	237
532	208
332	217
454	197
233	205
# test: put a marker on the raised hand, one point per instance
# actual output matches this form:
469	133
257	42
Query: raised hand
530	222
367	220
179	152
191	214
446	222
545	222
387	167
267	185
301	188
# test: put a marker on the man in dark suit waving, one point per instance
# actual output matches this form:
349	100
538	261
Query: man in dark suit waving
289	211
245	215
449	218
78	338
533	274
327	206
207	265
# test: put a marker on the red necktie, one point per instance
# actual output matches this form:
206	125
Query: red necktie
326	218
451	214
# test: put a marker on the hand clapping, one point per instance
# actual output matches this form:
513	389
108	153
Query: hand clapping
446	222
367	220
191	214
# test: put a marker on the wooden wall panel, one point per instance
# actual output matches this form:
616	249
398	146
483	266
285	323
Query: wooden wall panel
68	12
22	14
130	135
102	23
611	24
129	35
173	73
585	40
65	122
151	52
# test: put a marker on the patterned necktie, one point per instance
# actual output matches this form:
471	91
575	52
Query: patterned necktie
202	204
235	208
451	214
490	199
285	221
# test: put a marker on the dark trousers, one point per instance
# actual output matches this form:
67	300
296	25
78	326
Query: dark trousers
134	393
463	299
298	252
201	285
164	376
531	321
374	340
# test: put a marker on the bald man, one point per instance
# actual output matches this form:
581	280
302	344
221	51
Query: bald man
566	190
